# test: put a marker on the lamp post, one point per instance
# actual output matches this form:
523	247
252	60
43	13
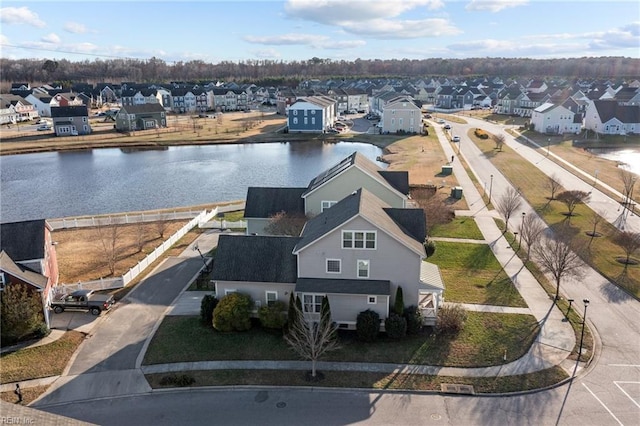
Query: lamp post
595	181
548	144
584	320
569	310
490	187
196	248
521	229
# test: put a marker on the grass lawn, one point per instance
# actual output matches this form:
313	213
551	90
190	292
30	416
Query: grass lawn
460	227
380	381
472	274
28	395
601	253
40	361
482	343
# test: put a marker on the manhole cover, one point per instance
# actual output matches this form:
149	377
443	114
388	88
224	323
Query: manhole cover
436	417
281	404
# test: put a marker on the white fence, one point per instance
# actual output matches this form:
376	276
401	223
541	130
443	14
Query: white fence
113	283
84	222
225	224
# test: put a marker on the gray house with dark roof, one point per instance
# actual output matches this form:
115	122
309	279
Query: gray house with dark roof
140	117
612	118
357	253
325	190
70	120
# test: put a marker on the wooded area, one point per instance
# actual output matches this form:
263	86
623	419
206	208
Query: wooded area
272	73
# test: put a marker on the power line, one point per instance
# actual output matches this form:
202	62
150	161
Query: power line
98	55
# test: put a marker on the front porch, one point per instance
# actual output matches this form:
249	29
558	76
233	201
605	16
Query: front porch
430	293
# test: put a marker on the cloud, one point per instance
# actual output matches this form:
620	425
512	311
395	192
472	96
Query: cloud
390	29
267	54
75	28
623	37
311	40
50	38
494	5
20	15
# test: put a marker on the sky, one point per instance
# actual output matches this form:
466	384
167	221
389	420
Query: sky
297	30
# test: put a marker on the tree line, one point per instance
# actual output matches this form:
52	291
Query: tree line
289	73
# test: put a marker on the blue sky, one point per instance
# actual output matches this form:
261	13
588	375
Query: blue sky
215	31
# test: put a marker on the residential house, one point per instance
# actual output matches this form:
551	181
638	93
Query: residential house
107	93
29	245
15	109
226	99
611	118
357	100
313	114
41	102
357	253
70	120
325	190
555	119
140	117
184	100
140	96
401	115
19	87
65	99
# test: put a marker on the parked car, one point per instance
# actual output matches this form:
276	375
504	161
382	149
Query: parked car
43	127
447	127
86	300
43	121
456	139
440	121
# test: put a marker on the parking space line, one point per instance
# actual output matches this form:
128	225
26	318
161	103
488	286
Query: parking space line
625	392
602	403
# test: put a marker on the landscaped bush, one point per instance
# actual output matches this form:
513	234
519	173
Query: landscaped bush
451	319
233	313
481	134
398	306
208	304
414	320
396	326
273	316
368	325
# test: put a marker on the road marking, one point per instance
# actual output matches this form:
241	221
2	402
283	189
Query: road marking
623	365
625	392
602	403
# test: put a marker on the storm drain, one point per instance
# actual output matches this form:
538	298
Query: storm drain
455	388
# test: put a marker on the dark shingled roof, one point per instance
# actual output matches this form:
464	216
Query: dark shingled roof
411	221
609	109
324	285
142	108
256	258
399	180
264	202
70	111
23	240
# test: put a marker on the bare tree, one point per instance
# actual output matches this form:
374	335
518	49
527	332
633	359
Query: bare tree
572	198
557	256
508	203
283	223
628	182
162	224
312	339
107	237
499	139
140	235
531	230
629	242
553	183
434	207
595	220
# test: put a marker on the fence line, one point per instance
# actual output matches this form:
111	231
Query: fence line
119	219
225	224
119	282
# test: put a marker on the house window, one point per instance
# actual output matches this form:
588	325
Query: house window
295	112
271	297
326	204
359	239
306	121
229	291
84	119
313	120
3	281
312	303
363	268
334	266
372	300
295	120
313	112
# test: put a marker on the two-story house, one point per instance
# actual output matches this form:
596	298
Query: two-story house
16	108
70	120
325	190
140	117
313	114
401	115
29	245
611	118
555	119
357	253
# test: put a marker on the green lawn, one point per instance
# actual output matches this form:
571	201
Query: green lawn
472	274
482	343
460	227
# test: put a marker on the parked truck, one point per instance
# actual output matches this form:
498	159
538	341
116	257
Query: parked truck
86	300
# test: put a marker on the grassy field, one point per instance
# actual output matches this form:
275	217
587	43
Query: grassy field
460	227
472	274
482	343
381	381
601	253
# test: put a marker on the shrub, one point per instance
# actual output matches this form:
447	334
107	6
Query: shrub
273	316
20	313
233	313
398	306
41	330
481	134
396	326
414	320
368	325
208	304
450	319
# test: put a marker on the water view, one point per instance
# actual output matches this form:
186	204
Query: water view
627	158
51	185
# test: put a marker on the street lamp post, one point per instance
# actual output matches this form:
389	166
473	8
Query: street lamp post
569	310
521	229
490	187
595	181
548	145
196	248
584	320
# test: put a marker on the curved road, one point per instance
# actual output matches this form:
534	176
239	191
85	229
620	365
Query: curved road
608	394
